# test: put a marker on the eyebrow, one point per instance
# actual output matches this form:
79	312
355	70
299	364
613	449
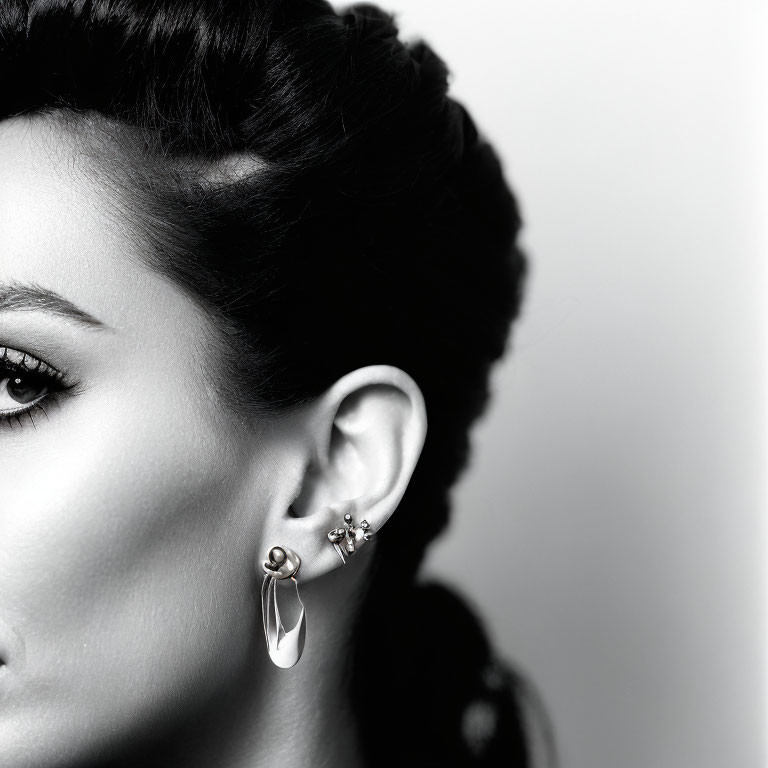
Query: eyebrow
16	296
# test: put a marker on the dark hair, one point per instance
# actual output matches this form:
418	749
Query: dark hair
373	225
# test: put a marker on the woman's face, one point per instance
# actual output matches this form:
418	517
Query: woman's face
128	523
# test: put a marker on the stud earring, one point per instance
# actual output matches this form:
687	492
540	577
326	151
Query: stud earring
285	648
345	539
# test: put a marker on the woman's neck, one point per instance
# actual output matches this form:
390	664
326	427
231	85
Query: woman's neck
294	717
305	718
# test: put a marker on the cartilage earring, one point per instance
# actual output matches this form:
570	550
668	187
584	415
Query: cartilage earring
346	539
284	648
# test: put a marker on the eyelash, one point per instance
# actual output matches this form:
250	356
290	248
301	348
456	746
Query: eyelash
31	367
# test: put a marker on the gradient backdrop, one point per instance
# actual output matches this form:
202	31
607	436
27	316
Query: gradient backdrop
617	492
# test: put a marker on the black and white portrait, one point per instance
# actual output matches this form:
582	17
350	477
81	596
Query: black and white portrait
382	385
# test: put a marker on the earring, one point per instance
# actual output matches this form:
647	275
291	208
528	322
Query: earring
285	648
345	539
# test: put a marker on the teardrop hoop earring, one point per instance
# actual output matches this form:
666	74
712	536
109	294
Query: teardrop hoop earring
284	647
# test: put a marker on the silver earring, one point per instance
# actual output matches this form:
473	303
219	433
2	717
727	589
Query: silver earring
345	539
285	648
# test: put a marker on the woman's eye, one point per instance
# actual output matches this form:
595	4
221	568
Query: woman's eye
27	385
21	390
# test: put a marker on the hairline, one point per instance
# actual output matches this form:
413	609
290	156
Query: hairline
126	162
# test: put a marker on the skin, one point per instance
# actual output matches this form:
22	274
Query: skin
136	511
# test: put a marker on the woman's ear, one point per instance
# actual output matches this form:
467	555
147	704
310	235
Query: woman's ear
362	439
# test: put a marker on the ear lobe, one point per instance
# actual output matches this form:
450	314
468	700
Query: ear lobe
368	430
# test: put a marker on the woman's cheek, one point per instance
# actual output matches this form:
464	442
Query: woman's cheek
113	572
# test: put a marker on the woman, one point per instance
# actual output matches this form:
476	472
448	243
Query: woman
249	250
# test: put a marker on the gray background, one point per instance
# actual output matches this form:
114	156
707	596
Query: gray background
616	494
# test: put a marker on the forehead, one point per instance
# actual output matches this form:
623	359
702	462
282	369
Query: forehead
57	227
62	227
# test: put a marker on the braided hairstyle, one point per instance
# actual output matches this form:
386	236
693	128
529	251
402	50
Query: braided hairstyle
285	161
